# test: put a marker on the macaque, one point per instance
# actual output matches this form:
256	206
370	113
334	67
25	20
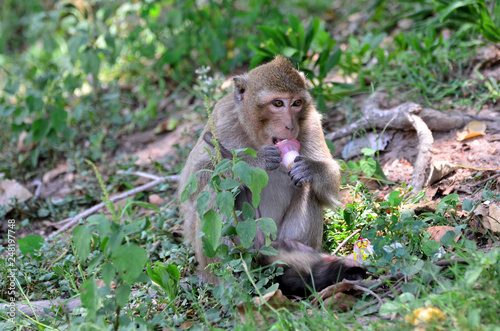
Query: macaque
269	104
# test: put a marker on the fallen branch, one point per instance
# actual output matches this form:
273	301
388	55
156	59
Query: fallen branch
376	118
424	156
71	221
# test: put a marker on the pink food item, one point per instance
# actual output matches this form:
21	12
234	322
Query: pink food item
289	151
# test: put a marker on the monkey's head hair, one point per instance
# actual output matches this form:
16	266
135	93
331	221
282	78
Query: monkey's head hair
279	75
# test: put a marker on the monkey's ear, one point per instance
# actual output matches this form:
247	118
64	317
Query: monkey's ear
240	87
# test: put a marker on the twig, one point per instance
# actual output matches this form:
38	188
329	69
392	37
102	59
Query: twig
375	295
38	185
345	241
69	222
483	181
140	174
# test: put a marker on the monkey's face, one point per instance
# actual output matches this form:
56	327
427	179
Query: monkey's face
280	113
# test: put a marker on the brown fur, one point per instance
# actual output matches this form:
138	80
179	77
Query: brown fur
247	119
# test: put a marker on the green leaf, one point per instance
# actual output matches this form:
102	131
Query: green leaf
255	178
248	211
58	117
448	239
267	226
394	198
82	239
222	167
247	231
390	307
211	226
368	151
350	214
369	166
430	248
333	60
472	274
35	103
467	205
167	277
228	184
108	273
190	188
39	129
202	202
30	243
225	202
130	260
91	62
268	250
90	297
122	294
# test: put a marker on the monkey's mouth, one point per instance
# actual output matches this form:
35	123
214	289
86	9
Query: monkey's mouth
277	140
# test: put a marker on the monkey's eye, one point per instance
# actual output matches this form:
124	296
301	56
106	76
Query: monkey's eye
278	103
297	103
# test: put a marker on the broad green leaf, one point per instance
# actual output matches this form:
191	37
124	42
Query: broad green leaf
258	182
30	243
90	62
228	184
130	260
82	237
472	274
225	202
333	60
430	248
122	294
350	214
35	104
90	297
242	170
369	166
467	205
39	129
211	226
394	198
222	167
269	250
108	273
58	117
248	211
190	188
390	307
247	231
267	226
202	202
368	151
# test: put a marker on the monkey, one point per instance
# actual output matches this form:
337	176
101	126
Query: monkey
269	104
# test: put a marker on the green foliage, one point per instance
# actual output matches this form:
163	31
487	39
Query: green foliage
366	167
226	233
311	50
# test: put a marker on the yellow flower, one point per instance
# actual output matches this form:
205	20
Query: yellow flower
425	314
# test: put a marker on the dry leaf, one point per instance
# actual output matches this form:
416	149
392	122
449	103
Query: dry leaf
437	232
155	199
439	170
11	189
471	130
491	218
60	169
340	301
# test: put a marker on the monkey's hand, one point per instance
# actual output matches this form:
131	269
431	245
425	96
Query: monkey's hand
300	173
271	155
